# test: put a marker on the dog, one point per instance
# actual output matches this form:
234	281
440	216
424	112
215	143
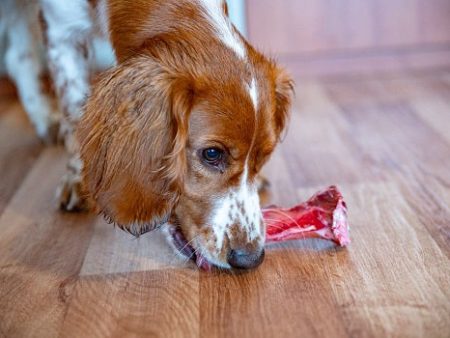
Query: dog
175	134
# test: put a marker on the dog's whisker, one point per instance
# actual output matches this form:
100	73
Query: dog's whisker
188	243
286	215
276	226
178	252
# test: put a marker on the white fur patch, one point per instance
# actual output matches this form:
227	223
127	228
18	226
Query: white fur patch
70	74
239	206
253	92
223	26
250	218
69	26
22	60
66	19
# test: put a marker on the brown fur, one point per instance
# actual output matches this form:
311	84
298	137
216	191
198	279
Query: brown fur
177	90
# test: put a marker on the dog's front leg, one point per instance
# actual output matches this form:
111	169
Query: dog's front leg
24	66
68	31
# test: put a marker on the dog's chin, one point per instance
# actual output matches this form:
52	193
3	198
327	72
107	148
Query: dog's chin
188	249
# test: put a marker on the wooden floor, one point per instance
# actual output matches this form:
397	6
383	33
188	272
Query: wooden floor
384	140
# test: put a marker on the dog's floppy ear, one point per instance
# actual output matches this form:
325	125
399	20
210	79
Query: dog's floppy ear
132	138
283	92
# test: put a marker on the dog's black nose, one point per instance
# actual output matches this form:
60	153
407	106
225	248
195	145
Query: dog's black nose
245	259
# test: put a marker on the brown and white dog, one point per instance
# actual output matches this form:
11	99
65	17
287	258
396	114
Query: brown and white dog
176	133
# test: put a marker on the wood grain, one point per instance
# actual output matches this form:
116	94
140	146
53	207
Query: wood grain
387	294
19	148
41	251
161	303
384	140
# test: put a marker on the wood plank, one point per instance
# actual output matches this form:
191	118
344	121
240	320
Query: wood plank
310	288
282	188
436	113
434	108
19	148
406	150
427	94
315	149
307	145
160	303
288	296
388	286
75	275
387	111
114	251
41	253
427	190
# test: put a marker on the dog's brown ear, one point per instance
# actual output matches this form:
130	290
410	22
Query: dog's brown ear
132	138
284	91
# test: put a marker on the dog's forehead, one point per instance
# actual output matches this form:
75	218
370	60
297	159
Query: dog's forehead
236	109
236	126
237	101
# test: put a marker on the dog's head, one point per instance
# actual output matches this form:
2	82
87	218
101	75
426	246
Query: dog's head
168	138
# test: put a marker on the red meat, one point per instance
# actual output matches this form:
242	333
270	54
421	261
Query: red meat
323	216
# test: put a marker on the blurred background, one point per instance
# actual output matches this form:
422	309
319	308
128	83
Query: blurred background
322	37
335	37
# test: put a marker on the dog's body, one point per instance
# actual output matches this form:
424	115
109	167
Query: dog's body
176	132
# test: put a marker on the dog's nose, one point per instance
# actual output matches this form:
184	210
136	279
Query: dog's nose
245	259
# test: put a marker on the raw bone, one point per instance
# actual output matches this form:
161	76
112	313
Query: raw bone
323	216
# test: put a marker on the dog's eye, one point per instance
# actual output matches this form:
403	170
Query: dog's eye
212	155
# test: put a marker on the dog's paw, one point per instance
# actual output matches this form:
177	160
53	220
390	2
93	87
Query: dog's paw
70	195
